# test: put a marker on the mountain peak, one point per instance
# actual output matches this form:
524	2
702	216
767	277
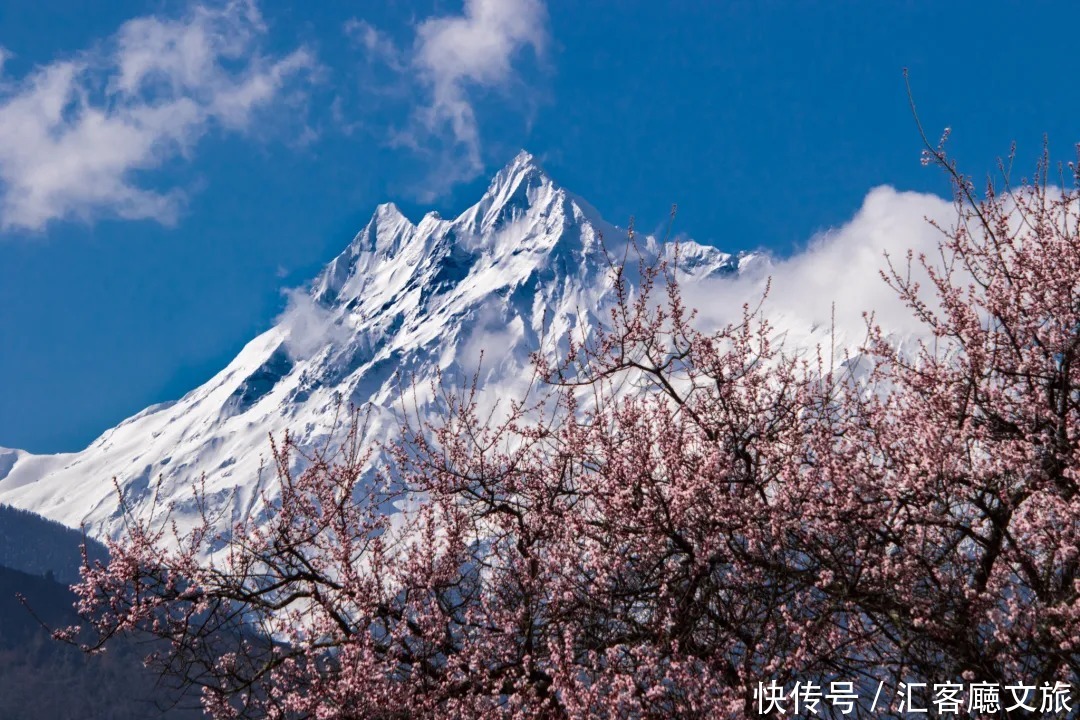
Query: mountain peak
522	169
388	211
523	264
520	185
525	160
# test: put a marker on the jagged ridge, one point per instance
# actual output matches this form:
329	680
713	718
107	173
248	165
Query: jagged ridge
524	263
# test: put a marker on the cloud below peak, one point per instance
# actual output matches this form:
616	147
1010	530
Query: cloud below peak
75	133
838	276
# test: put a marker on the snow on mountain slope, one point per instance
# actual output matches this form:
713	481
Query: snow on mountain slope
526	264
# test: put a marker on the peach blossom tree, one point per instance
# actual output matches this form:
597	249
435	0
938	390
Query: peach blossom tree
684	516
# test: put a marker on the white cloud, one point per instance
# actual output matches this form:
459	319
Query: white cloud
839	270
489	336
452	59
75	133
475	49
309	327
375	43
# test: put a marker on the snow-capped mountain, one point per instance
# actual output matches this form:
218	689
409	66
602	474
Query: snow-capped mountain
522	267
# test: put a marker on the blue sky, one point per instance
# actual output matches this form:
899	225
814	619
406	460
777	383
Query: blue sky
168	168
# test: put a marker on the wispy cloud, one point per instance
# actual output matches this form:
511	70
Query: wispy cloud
75	133
451	61
378	46
308	326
